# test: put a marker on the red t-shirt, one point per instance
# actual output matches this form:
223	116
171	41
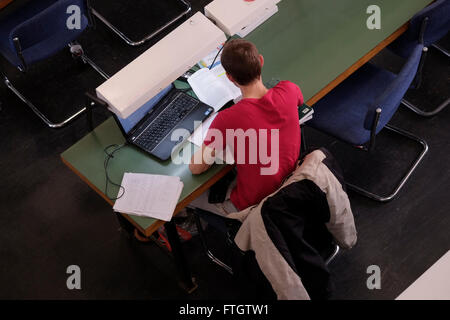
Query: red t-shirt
277	115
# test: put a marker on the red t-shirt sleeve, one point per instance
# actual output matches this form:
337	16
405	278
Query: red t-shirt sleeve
298	93
291	91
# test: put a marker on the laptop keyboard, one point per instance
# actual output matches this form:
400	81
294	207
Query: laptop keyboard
155	130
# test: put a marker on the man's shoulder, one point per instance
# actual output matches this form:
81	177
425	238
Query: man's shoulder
286	84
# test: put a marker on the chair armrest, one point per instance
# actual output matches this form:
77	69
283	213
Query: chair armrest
389	101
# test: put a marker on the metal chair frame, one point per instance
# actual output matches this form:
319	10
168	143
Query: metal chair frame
222	264
148	37
370	148
77	52
440	107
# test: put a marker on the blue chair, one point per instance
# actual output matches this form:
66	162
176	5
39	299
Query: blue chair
437	19
38	30
360	107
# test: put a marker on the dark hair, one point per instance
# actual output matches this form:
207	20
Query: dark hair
240	59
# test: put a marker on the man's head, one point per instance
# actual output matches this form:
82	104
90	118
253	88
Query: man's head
242	61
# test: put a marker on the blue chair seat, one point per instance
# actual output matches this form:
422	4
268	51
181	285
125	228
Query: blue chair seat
343	111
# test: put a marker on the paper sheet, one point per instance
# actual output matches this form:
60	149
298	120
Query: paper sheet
199	135
213	87
154	196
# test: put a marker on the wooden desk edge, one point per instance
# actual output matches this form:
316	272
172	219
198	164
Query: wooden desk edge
358	64
155	226
4	3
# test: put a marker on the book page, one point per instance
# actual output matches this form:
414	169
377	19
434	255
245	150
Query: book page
213	87
199	135
221	74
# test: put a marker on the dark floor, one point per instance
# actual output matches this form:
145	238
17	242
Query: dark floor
50	219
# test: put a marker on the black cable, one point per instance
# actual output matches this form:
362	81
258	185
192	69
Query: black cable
110	155
217	55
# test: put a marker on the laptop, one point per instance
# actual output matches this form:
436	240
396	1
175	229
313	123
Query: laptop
150	127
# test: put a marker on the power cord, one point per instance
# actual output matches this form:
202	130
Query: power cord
110	155
217	55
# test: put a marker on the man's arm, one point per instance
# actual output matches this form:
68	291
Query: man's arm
202	160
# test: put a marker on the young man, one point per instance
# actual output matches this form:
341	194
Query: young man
270	115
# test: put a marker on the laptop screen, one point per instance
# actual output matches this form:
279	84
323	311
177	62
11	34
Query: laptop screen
128	123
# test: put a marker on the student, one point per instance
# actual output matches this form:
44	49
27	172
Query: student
270	115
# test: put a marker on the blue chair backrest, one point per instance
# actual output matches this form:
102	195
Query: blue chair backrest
391	98
438	14
438	24
45	23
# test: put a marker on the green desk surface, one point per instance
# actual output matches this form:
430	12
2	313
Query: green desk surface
87	157
312	42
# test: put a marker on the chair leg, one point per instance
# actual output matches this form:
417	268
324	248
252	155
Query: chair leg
333	255
39	113
422	113
441	107
303	144
206	248
442	50
77	52
147	37
408	174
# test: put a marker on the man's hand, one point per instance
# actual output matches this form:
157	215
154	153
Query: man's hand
202	160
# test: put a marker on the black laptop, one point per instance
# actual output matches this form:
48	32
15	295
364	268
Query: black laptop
150	127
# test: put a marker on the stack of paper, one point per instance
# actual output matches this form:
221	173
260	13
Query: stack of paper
149	195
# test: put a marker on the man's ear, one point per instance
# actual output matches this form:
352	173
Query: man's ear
261	60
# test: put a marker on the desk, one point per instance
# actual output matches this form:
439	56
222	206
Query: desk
86	159
319	53
316	53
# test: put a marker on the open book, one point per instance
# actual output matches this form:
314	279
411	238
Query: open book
149	195
213	87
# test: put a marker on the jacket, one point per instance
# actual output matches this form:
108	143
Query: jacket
285	227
